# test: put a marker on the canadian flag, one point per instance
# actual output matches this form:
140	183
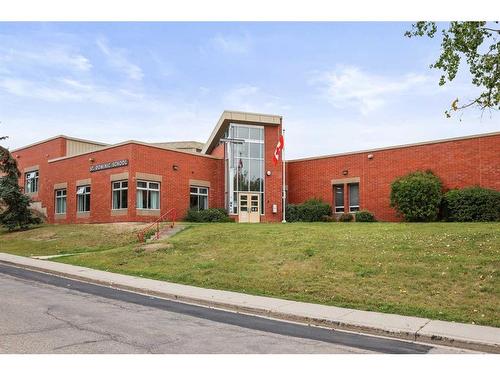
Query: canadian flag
279	149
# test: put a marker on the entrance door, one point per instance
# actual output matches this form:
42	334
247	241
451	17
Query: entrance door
249	204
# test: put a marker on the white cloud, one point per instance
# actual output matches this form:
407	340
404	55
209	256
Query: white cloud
53	56
252	99
349	86
117	58
63	90
237	44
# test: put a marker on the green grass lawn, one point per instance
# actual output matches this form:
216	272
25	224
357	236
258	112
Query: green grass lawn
67	239
445	271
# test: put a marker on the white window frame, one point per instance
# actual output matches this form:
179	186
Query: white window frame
148	189
63	194
31	181
83	190
353	206
335	198
198	194
120	188
232	198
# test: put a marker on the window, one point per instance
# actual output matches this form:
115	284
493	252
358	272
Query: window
31	182
148	195
120	194
198	198
60	201
338	196
83	198
353	197
245	163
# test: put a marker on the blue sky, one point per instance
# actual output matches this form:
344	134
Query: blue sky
339	86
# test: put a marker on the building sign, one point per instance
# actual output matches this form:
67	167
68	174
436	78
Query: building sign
111	164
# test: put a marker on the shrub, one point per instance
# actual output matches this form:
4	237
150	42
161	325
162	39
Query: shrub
364	216
211	215
311	210
471	204
345	217
328	218
417	196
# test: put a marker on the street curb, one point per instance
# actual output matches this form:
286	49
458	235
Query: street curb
458	335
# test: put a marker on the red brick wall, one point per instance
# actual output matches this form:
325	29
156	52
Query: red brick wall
218	151
459	163
39	155
273	183
174	188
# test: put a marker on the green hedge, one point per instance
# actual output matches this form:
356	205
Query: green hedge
212	215
417	196
364	216
471	204
311	210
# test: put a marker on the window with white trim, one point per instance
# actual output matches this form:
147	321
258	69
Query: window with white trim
83	198
198	198
353	197
120	194
338	197
31	182
148	195
60	201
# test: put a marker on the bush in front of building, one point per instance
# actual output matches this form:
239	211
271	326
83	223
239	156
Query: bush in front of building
211	215
417	196
471	204
346	217
311	210
364	217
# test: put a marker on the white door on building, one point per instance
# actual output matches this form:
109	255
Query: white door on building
249	207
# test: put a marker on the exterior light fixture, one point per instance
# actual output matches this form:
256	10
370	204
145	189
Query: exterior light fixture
175	167
91	160
370	156
268	173
345	172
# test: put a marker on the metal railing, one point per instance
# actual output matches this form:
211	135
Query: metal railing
141	234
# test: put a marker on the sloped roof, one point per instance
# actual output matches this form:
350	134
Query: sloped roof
240	117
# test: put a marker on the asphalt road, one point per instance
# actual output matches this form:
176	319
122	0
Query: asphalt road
41	313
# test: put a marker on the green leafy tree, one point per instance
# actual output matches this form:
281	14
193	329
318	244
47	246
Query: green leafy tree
14	205
417	196
478	44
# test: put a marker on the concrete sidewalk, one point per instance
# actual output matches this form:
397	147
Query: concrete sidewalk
460	335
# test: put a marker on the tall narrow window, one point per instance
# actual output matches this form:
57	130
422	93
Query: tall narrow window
353	197
245	163
198	198
83	198
338	196
120	195
60	201
31	182
148	195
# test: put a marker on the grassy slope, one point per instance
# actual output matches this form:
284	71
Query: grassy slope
446	271
65	239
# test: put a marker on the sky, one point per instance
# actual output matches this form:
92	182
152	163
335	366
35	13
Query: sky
339	86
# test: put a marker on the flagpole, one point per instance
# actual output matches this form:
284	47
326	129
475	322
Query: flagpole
283	192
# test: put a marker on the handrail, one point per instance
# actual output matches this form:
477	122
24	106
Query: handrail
140	234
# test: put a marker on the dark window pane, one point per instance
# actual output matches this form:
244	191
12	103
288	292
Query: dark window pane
193	202
203	202
124	199
353	197
338	191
